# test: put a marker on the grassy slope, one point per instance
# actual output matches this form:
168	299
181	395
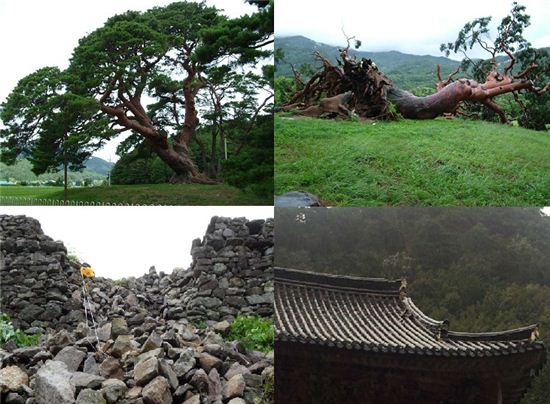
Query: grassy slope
423	163
163	194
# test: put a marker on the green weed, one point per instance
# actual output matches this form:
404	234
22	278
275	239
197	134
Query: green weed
201	325
266	394
256	333
9	333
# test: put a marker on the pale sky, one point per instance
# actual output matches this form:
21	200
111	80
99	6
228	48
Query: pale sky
39	33
416	27
123	241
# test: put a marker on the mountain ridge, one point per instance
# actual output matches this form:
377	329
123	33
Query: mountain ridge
99	165
95	168
407	71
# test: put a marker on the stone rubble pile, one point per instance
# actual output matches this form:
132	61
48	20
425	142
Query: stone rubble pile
162	338
156	362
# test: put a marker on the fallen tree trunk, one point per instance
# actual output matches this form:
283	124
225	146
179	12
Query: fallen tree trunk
331	107
361	80
451	93
446	100
373	92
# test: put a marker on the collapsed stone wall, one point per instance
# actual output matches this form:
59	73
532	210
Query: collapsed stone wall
34	275
158	338
231	273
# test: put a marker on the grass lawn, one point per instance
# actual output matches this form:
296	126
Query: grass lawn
161	194
412	163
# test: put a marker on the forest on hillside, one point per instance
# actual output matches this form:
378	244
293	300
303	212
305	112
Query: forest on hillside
481	268
22	174
411	72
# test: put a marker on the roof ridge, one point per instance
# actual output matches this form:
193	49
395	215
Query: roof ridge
343	282
436	326
529	332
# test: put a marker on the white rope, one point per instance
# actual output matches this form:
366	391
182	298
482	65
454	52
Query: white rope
86	299
95	325
84	302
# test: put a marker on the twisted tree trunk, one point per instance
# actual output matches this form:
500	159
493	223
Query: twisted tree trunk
131	115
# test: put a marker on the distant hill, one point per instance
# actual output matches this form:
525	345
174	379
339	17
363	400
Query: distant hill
95	169
99	165
405	70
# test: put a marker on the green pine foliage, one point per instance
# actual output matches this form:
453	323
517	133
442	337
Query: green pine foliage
252	168
256	333
49	124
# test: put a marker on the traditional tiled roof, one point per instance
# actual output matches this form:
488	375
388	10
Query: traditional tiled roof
377	315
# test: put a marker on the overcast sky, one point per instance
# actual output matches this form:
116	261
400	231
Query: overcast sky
38	33
122	241
416	27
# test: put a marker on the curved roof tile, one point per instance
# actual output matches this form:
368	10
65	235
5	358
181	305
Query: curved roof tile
376	314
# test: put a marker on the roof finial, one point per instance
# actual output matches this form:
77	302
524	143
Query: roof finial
403	289
534	334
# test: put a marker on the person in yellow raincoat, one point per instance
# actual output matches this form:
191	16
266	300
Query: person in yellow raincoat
87	271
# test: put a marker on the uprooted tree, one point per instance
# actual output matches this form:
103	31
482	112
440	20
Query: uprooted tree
522	71
143	71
